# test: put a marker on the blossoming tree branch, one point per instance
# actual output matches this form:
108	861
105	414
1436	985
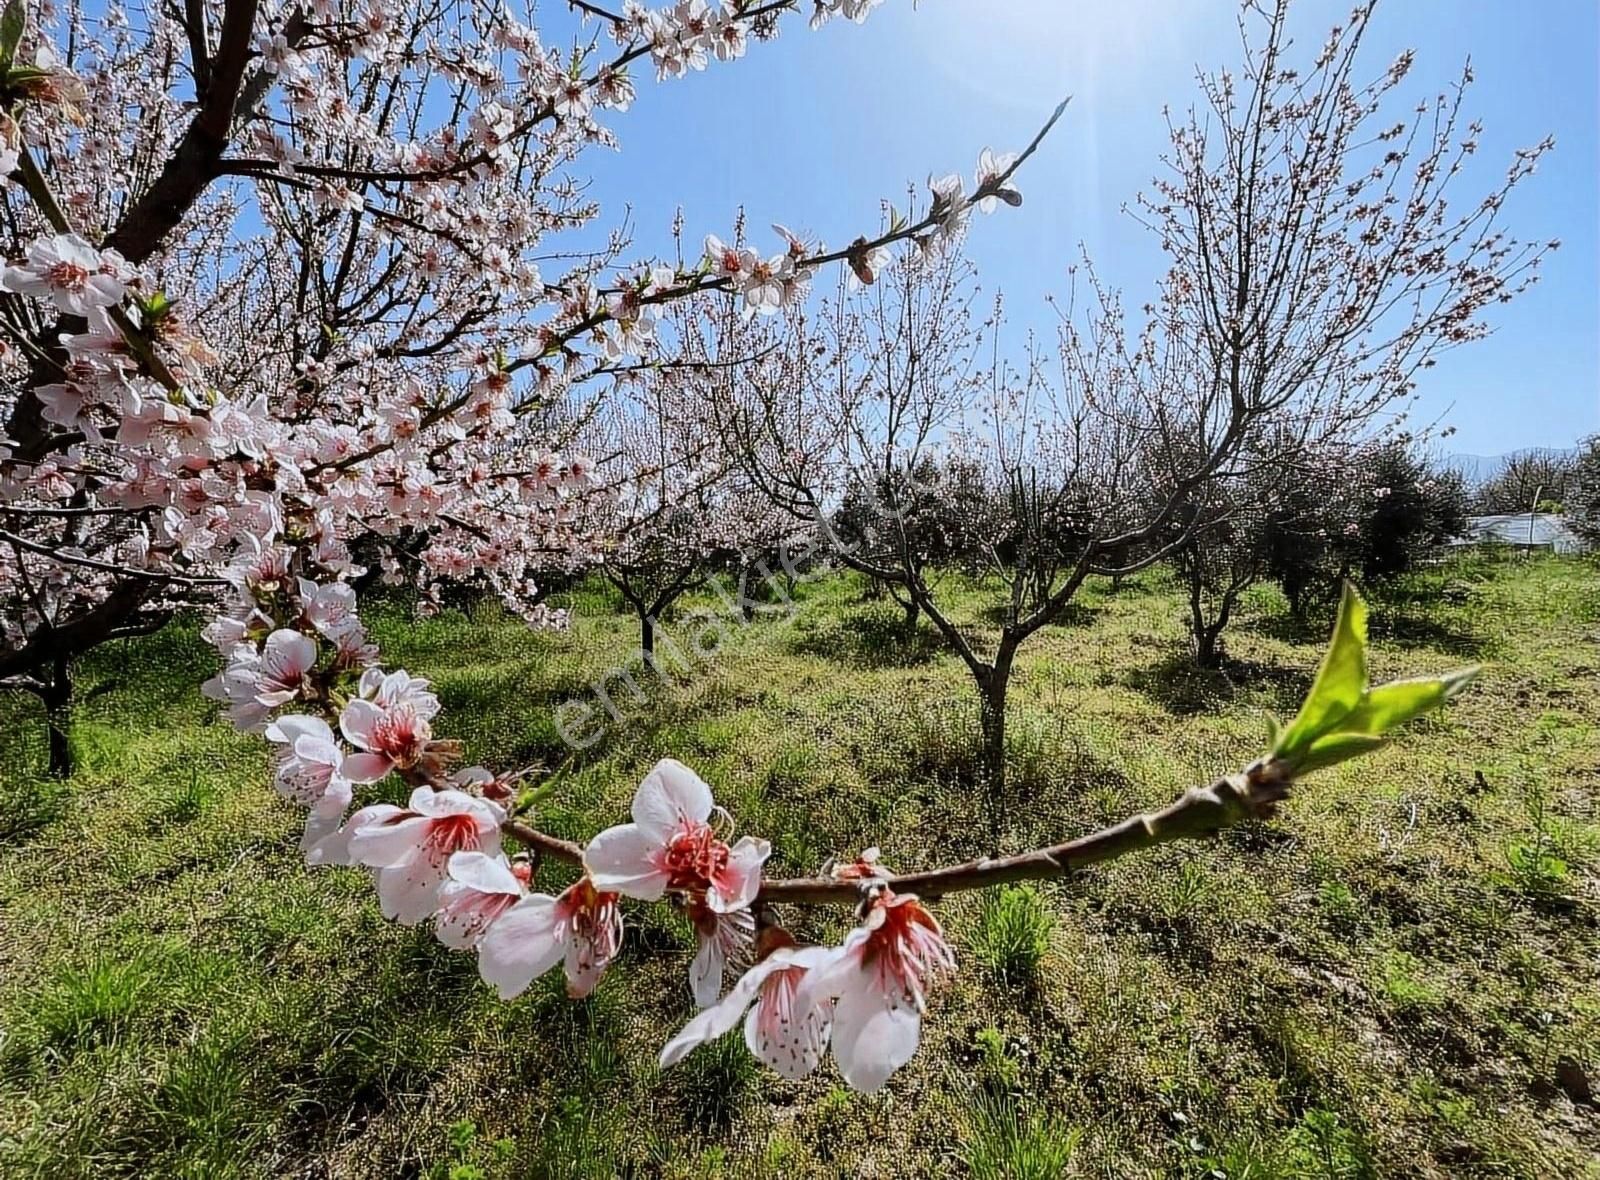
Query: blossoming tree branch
389	380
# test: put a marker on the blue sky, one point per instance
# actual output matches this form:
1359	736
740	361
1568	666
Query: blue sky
814	129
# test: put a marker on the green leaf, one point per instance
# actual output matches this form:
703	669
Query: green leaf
1335	748
12	23
1391	705
1341	680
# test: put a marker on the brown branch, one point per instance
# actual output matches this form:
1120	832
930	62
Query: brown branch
193	164
1198	812
122	571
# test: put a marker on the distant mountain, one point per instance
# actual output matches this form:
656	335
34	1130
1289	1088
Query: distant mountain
1479	469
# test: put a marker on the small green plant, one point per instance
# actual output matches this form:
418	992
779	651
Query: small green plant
1323	1146
1186	890
578	1142
191	797
1536	865
1004	1142
470	1157
715	1079
1535	869
999	1070
1013	933
1404	980
1338	901
95	1003
202	1110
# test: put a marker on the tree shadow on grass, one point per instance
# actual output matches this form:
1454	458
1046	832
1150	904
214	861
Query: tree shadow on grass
1429	632
1401	618
158	671
1074	614
1183	688
869	638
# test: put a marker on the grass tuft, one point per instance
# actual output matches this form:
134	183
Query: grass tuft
1013	933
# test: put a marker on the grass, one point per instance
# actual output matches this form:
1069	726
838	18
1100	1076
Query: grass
1399	976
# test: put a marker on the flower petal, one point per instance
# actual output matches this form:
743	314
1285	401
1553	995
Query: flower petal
735	887
320	828
787	1038
874	1034
720	1018
705	973
486	874
622	860
364	767
520	945
408	892
391	841
670	794
357	719
289	729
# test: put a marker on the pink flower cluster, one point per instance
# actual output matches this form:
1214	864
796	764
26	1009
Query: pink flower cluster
439	856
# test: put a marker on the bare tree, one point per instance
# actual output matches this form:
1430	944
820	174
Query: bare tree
1315	267
1526	480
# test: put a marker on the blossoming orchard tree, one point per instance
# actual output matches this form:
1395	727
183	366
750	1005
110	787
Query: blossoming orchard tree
298	272
681	513
291	296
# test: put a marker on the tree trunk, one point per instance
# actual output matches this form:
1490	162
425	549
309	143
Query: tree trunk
747	608
57	696
913	612
1207	651
992	689
1203	633
647	637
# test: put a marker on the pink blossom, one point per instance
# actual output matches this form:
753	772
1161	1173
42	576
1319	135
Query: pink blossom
308	767
480	888
670	845
388	689
308	773
68	270
254	683
990	168
286	657
411	847
582	927
878	978
392	738
331	609
727	262
785	1036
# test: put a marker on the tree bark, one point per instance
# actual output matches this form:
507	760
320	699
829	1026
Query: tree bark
647	636
993	684
57	697
913	614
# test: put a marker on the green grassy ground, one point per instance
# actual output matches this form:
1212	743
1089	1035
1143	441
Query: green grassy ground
1401	976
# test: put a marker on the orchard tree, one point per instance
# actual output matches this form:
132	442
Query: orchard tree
1223	553
1315	266
1525	481
303	274
1412	508
681	514
939	515
1311	532
1584	511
